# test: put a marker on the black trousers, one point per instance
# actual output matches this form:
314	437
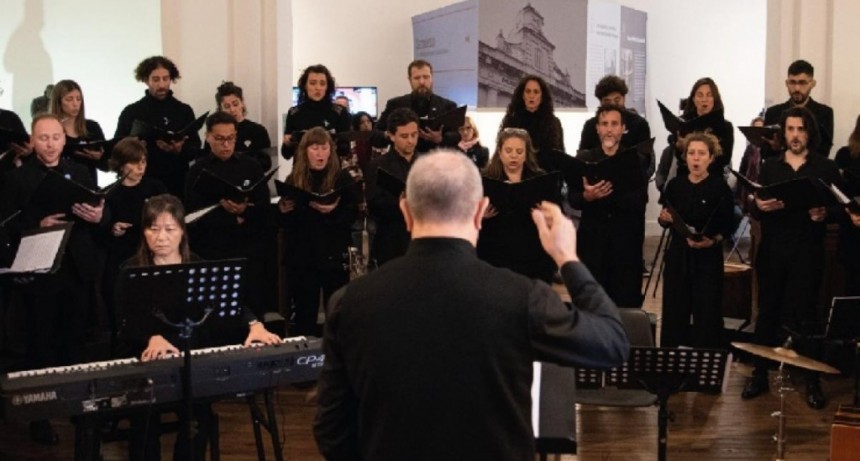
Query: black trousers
306	284
611	248
790	275
692	285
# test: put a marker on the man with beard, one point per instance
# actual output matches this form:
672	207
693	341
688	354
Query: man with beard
612	89
800	83
425	104
612	230
168	160
790	260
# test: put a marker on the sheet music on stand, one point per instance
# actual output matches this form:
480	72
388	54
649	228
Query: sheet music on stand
40	251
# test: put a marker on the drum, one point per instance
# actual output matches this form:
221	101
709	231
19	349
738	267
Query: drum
737	291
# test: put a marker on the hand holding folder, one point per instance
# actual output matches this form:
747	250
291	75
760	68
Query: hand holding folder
713	120
65	191
451	119
210	185
304	197
524	195
798	193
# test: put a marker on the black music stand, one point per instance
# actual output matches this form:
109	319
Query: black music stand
183	296
667	371
843	327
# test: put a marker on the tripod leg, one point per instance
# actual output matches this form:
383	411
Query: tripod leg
662	266
654	262
256	418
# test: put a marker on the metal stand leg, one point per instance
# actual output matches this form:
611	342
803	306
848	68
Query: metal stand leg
662	264
654	260
784	388
268	422
736	240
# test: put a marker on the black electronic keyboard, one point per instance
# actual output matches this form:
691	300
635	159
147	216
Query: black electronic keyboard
128	383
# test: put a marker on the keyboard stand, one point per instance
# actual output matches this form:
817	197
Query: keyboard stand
269	422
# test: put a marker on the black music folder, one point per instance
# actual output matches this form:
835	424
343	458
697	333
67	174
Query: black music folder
387	181
304	197
623	170
524	195
142	129
687	231
67	191
803	193
758	135
674	124
208	184
853	203
451	119
40	250
8	136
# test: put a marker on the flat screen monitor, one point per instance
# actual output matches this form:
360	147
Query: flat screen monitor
361	98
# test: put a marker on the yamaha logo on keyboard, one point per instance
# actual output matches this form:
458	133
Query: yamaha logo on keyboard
35	397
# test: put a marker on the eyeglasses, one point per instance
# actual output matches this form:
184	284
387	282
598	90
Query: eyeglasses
225	139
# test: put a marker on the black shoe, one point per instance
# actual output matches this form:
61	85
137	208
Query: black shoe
43	433
815	396
756	386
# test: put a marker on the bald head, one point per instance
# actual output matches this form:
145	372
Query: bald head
444	186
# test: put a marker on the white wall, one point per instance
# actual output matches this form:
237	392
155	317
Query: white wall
379	47
44	41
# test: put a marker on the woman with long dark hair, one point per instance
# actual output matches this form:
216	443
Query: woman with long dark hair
532	109
318	234
315	108
705	98
67	103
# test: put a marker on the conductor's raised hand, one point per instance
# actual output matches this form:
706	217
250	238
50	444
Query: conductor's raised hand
556	231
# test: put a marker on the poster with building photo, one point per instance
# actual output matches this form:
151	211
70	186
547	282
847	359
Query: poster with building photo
541	37
617	46
447	38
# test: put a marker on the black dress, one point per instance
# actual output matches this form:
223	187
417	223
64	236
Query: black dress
510	239
314	249
693	278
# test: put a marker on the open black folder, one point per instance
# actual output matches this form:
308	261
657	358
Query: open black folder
687	231
40	250
674	124
210	185
758	135
8	136
451	119
623	170
524	195
303	197
852	203
142	129
387	181
65	191
800	193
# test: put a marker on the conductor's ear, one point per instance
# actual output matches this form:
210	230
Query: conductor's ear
407	214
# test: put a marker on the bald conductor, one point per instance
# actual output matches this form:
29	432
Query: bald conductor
430	357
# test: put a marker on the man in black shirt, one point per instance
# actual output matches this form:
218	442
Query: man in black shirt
56	304
425	104
430	357
800	82
612	89
790	260
168	160
232	229
612	230
392	238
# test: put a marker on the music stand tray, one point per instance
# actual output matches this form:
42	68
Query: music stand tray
183	296
663	372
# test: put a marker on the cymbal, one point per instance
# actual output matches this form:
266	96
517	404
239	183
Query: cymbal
783	355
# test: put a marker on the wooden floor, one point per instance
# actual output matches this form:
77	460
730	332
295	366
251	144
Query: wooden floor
705	427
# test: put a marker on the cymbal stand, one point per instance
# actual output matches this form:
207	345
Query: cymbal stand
784	386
